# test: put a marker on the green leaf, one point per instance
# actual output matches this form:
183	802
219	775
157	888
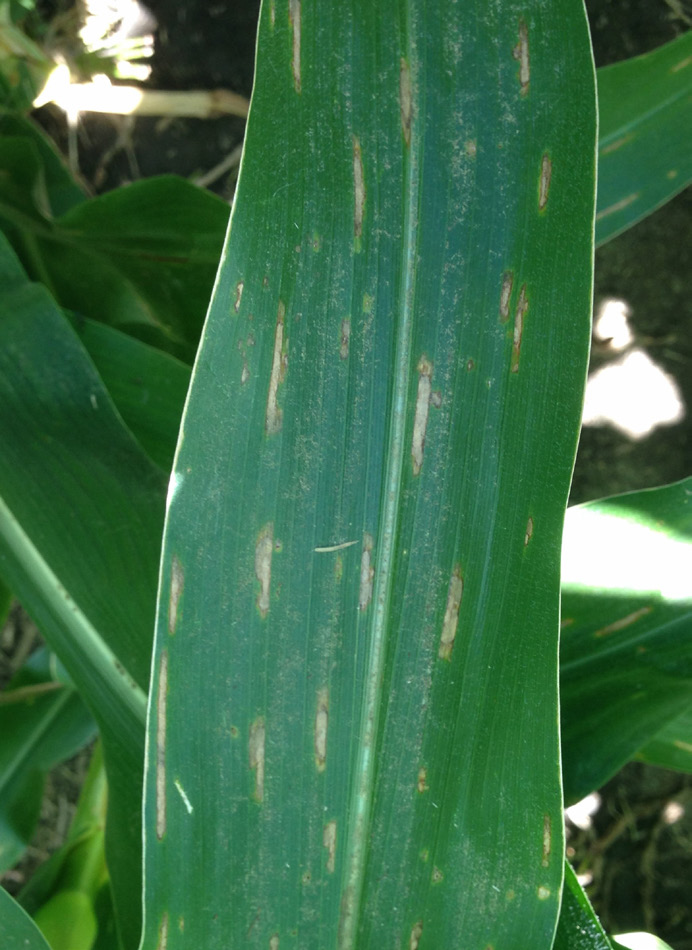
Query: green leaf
671	748
62	896
23	188
626	648
63	190
17	929
42	722
148	387
5	602
142	258
644	155
578	927
80	524
353	730
68	921
24	66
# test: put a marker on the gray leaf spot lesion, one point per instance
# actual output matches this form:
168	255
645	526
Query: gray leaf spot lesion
161	711
321	725
529	531
367	573
264	548
294	14
359	192
547	841
519	314
274	413
256	756
544	182
176	589
329	842
424	397
505	294
451	617
521	54
162	943
239	287
405	104
345	338
422	783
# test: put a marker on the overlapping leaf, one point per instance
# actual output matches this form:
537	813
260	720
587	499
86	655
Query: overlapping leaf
644	155
578	927
626	649
671	748
17	929
42	722
80	523
142	258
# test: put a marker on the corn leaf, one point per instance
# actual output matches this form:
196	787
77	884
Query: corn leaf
147	386
671	748
80	523
17	929
626	646
63	191
644	155
130	258
353	730
578	927
42	723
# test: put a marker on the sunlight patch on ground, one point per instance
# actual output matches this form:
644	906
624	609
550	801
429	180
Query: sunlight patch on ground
581	813
640	941
631	393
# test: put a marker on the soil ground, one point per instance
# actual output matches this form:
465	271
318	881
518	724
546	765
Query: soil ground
639	861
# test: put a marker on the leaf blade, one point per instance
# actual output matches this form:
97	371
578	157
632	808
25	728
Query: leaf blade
626	647
645	106
318	381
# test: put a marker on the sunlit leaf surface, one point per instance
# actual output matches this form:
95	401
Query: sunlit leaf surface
626	646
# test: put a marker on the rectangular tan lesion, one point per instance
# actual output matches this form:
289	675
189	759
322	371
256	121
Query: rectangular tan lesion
256	745
451	617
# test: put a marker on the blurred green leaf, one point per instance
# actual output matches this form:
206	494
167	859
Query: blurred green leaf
382	418
23	188
62	896
42	723
578	927
671	748
142	258
63	190
645	116
24	66
17	929
5	602
147	386
626	647
80	548
68	921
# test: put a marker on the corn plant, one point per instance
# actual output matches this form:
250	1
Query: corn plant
349	734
